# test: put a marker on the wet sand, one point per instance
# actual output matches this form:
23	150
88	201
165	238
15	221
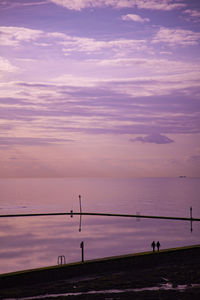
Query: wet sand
168	274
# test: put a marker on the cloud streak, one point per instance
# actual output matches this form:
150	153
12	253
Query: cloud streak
13	36
69	45
6	65
141	4
78	110
17	36
194	14
174	37
29	141
102	74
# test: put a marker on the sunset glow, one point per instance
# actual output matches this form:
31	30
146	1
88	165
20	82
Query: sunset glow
99	88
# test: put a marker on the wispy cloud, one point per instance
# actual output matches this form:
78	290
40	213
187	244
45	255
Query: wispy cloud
88	45
6	65
13	36
94	78
6	4
195	159
158	65
16	36
116	48
194	14
30	141
95	110
160	4
135	18
175	37
150	4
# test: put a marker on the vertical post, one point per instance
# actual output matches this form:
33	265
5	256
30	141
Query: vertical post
191	229
80	213
82	251
138	218
80	203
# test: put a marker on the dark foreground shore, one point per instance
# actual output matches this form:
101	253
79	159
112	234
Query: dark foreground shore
168	274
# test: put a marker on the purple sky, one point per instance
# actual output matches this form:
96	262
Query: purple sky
99	88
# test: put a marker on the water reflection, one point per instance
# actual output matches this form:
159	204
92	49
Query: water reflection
32	242
38	241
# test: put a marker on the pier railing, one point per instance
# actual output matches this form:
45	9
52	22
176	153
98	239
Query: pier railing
81	213
71	213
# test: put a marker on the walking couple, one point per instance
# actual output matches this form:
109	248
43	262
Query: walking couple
154	245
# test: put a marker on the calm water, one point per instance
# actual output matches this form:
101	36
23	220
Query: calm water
38	241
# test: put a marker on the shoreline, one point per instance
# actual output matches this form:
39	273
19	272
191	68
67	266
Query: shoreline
172	267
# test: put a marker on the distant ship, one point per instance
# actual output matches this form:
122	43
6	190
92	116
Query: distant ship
182	176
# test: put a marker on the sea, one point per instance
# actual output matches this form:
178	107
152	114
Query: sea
34	242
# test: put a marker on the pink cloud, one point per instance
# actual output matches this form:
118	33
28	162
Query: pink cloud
143	4
175	37
135	18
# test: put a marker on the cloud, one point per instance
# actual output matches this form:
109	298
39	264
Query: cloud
159	4
194	14
75	81
135	18
72	105
101	109
154	138
89	45
13	36
194	159
157	64
6	127
120	48
29	141
16	36
9	4
142	4
13	158
174	37
6	66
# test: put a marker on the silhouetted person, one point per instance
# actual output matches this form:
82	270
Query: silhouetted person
153	245
158	245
